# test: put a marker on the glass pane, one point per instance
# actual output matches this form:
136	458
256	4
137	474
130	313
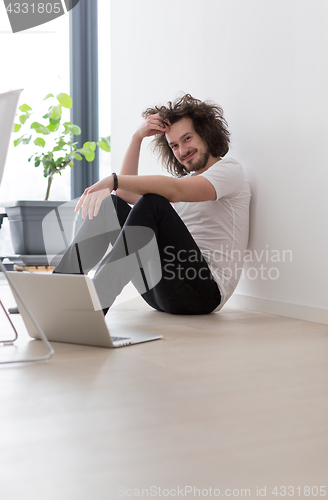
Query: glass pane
104	82
36	60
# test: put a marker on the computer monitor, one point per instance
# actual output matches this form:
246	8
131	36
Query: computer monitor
8	106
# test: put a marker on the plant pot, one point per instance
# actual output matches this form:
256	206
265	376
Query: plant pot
27	230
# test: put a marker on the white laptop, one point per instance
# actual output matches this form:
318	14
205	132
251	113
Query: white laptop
67	309
63	307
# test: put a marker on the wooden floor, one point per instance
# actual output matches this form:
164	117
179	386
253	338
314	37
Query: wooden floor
236	401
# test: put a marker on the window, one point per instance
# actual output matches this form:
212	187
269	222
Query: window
104	68
36	60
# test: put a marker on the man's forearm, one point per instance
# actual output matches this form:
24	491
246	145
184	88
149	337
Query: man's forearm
131	160
151	126
189	189
156	184
130	166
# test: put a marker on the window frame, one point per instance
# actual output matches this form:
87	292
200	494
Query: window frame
84	88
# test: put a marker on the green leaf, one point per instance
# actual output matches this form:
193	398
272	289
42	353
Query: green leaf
49	156
87	153
53	128
54	121
18	141
89	156
104	143
17	127
56	112
40	129
77	156
48	113
23	118
90	145
36	157
47	96
24	108
73	129
60	162
40	142
60	147
65	100
27	140
88	150
49	167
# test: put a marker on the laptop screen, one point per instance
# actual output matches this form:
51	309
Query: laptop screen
8	106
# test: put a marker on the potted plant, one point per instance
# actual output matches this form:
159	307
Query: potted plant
55	150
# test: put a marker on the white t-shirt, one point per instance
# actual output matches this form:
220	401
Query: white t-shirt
220	227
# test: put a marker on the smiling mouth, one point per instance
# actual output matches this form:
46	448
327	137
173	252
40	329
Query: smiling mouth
187	158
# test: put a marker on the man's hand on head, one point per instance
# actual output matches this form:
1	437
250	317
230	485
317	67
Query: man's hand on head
153	125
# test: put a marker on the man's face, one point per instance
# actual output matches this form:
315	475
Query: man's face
187	146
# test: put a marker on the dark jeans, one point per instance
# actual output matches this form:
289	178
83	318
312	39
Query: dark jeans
186	285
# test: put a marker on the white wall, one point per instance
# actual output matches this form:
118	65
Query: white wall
265	63
155	55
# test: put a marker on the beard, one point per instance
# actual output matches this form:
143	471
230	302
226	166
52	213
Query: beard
198	164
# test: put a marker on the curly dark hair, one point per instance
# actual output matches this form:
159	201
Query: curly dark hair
208	122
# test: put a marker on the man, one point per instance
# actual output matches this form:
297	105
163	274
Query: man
199	216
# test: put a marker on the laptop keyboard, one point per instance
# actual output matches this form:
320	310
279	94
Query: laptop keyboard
114	339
